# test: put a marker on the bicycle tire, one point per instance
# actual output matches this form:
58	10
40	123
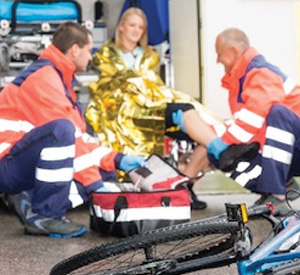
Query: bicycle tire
174	253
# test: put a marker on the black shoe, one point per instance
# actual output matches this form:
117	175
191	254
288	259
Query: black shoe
198	205
237	153
195	203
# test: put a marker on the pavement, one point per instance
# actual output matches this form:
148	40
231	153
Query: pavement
36	255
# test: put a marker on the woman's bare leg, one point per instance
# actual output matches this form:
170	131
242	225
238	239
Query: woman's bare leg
198	162
197	129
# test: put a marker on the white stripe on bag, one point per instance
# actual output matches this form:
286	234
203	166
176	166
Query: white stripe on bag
152	213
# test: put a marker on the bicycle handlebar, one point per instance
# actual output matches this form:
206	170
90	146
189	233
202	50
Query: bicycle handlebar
260	210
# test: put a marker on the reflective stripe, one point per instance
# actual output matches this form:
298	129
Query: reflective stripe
220	129
78	132
93	158
88	138
251	118
244	178
280	135
54	175
58	153
82	162
277	154
239	133
4	146
15	126
98	153
289	85
152	213
74	196
242	166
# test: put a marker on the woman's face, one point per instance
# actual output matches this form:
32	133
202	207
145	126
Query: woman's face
133	28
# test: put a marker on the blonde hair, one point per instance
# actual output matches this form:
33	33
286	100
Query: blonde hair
143	42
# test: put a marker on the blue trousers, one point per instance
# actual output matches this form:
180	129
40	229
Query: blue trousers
279	159
42	162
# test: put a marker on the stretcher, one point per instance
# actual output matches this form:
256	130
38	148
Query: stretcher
32	12
27	26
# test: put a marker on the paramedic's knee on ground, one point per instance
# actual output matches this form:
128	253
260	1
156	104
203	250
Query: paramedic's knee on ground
42	162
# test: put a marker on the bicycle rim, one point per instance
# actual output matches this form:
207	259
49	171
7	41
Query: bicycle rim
176	249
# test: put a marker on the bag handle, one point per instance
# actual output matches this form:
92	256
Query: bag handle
121	203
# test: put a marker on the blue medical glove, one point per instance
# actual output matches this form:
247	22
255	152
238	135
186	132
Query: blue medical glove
102	189
128	163
216	147
177	118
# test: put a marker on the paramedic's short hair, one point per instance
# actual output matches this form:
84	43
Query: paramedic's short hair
235	36
70	33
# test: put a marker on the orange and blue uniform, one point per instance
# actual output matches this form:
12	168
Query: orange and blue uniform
254	87
265	105
39	113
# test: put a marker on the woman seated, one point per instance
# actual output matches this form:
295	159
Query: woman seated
130	107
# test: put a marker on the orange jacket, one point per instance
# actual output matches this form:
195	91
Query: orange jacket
254	86
41	96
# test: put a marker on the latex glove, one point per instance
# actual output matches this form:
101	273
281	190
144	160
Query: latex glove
128	163
177	118
103	189
216	147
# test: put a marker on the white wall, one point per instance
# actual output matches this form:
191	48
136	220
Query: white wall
272	28
184	46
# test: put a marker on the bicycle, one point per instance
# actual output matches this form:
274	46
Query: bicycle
196	245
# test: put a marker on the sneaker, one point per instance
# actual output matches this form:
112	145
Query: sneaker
280	206
55	228
260	200
21	205
292	185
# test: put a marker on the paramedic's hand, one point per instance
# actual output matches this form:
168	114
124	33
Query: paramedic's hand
177	118
103	189
129	163
216	147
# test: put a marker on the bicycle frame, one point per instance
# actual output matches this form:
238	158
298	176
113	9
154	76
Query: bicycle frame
269	254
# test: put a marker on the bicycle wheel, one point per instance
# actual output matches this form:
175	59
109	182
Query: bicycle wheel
176	249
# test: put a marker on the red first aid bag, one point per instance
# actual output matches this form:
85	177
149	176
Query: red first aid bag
128	213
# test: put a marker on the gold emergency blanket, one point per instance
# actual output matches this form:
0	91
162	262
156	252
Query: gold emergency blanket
127	106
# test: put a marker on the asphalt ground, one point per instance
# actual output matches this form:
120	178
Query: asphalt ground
36	255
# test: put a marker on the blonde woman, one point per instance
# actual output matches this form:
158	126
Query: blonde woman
128	103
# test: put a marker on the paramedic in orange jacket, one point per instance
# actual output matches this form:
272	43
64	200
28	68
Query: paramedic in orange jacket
44	146
265	106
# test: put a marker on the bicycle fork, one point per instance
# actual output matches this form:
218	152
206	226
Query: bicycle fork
276	251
